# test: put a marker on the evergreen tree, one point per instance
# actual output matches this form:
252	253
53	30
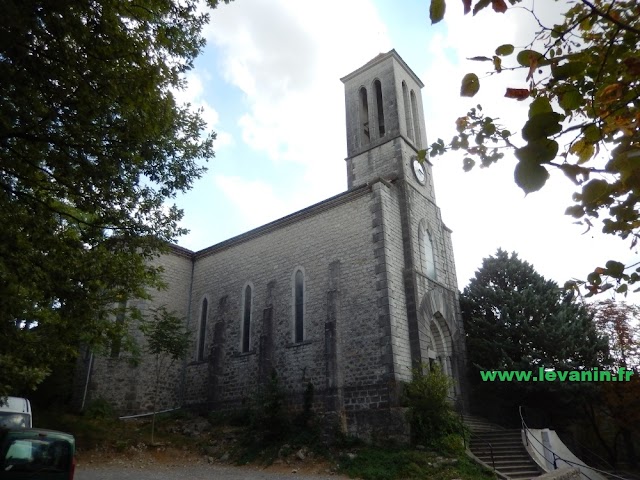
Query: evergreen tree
515	319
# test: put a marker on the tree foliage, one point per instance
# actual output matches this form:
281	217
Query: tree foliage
93	147
581	80
515	319
167	342
618	402
620	322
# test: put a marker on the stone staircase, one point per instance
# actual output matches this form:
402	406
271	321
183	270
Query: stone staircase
509	455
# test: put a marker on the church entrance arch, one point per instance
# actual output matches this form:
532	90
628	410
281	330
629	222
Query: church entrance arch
436	316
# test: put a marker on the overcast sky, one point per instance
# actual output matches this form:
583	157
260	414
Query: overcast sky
268	84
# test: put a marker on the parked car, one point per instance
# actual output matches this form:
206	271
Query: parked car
15	412
36	454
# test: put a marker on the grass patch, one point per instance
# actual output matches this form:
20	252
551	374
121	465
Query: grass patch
371	463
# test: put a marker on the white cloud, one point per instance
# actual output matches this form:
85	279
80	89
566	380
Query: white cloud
287	56
255	200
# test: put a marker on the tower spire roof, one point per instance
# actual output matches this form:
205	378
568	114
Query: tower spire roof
380	58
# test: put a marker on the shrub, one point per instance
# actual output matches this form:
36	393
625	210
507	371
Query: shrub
269	414
99	408
304	418
431	416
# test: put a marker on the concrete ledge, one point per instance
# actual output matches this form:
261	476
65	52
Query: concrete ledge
565	473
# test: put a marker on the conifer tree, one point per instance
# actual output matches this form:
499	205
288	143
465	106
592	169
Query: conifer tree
515	319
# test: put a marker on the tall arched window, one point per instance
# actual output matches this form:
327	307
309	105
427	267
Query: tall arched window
202	332
246	319
407	109
416	119
429	259
298	311
364	115
378	88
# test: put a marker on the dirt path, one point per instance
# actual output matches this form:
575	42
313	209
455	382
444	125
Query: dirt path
173	464
190	472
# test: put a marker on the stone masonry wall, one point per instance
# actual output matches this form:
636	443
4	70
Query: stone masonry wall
267	262
128	387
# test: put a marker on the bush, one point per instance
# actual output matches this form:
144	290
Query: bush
431	416
99	408
269	413
304	419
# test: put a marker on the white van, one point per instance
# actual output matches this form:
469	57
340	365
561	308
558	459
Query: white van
15	412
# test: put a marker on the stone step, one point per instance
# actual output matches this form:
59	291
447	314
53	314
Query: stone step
507	469
498	449
499	434
509	454
505	458
524	474
495	441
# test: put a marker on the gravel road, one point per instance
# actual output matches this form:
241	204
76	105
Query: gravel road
190	472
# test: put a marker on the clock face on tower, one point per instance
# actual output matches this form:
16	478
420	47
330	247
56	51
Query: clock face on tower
418	171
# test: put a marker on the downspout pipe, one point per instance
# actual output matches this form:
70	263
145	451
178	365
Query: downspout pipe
86	383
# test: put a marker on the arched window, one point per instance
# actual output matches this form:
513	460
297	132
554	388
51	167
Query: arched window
246	319
378	87
407	110
364	115
202	332
416	119
429	259
298	310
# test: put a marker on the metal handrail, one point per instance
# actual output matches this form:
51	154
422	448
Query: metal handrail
493	462
557	457
471	434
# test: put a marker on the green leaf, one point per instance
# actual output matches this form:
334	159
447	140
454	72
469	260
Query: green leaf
504	50
480	5
541	126
592	133
470	85
480	59
436	10
538	106
468	164
538	151
530	176
584	150
568	70
525	57
594	191
571	99
576	211
615	269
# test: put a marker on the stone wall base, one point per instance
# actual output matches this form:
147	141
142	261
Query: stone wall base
380	426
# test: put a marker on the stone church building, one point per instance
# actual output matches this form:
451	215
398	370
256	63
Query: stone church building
348	294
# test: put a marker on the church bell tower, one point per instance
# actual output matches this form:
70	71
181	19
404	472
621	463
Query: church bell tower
385	123
385	131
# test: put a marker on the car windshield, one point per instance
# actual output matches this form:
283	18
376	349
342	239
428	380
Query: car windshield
12	420
36	454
